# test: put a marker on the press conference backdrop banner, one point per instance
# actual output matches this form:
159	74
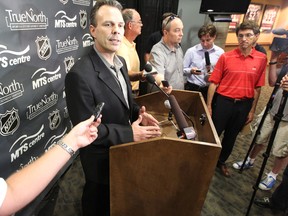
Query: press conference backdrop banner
39	42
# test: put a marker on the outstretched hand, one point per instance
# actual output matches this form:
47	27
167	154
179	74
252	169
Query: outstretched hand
83	133
144	132
147	119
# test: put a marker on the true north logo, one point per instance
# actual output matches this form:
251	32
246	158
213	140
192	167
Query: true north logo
64	21
12	57
82	2
9	122
83	19
10	92
27	20
87	40
25	142
44	104
44	49
66	46
68	62
54	119
42	77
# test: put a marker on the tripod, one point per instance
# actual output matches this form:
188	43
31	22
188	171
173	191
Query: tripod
266	154
268	107
277	119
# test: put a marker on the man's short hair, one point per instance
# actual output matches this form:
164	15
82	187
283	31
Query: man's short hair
248	24
207	29
94	10
128	15
167	21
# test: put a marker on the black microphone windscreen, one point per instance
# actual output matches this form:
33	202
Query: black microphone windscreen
150	78
280	31
148	68
176	110
207	58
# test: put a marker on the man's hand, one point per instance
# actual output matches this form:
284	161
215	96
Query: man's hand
284	83
147	119
195	71
144	132
249	117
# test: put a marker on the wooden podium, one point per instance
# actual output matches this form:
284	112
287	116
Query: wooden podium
165	176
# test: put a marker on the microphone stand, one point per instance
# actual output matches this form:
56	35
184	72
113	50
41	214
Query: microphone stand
170	119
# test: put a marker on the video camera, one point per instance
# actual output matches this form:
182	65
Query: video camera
280	44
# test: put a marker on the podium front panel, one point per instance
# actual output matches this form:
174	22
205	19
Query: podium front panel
165	175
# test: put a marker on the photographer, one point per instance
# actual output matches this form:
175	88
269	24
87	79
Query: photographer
280	145
279	199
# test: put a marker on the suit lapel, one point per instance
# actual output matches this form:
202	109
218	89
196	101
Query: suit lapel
106	76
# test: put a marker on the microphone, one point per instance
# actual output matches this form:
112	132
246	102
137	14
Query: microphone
207	58
150	79
167	104
180	119
184	130
280	31
148	69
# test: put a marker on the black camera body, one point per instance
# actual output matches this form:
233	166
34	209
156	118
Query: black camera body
279	45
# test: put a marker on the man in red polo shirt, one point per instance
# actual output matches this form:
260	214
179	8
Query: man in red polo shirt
237	79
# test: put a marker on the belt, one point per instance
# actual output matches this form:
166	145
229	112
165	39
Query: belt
237	100
196	86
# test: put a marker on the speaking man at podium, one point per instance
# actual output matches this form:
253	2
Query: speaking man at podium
102	76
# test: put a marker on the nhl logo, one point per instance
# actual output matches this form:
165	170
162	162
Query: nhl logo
83	19
64	1
54	119
9	122
44	49
68	62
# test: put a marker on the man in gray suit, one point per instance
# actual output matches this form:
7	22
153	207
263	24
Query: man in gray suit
102	76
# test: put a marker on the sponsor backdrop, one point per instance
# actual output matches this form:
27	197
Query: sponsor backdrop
39	43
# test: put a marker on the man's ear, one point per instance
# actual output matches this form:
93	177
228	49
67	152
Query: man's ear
165	32
92	30
129	25
257	36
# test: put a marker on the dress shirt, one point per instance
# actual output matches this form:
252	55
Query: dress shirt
169	63
195	57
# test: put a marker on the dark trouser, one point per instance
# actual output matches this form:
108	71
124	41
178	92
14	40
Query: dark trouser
280	196
229	116
193	87
95	199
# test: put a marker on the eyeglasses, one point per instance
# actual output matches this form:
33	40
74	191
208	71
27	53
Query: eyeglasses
171	17
241	36
139	22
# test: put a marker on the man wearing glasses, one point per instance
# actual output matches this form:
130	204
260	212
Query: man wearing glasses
133	27
167	55
237	79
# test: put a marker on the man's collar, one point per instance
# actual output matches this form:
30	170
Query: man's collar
116	61
168	47
199	47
